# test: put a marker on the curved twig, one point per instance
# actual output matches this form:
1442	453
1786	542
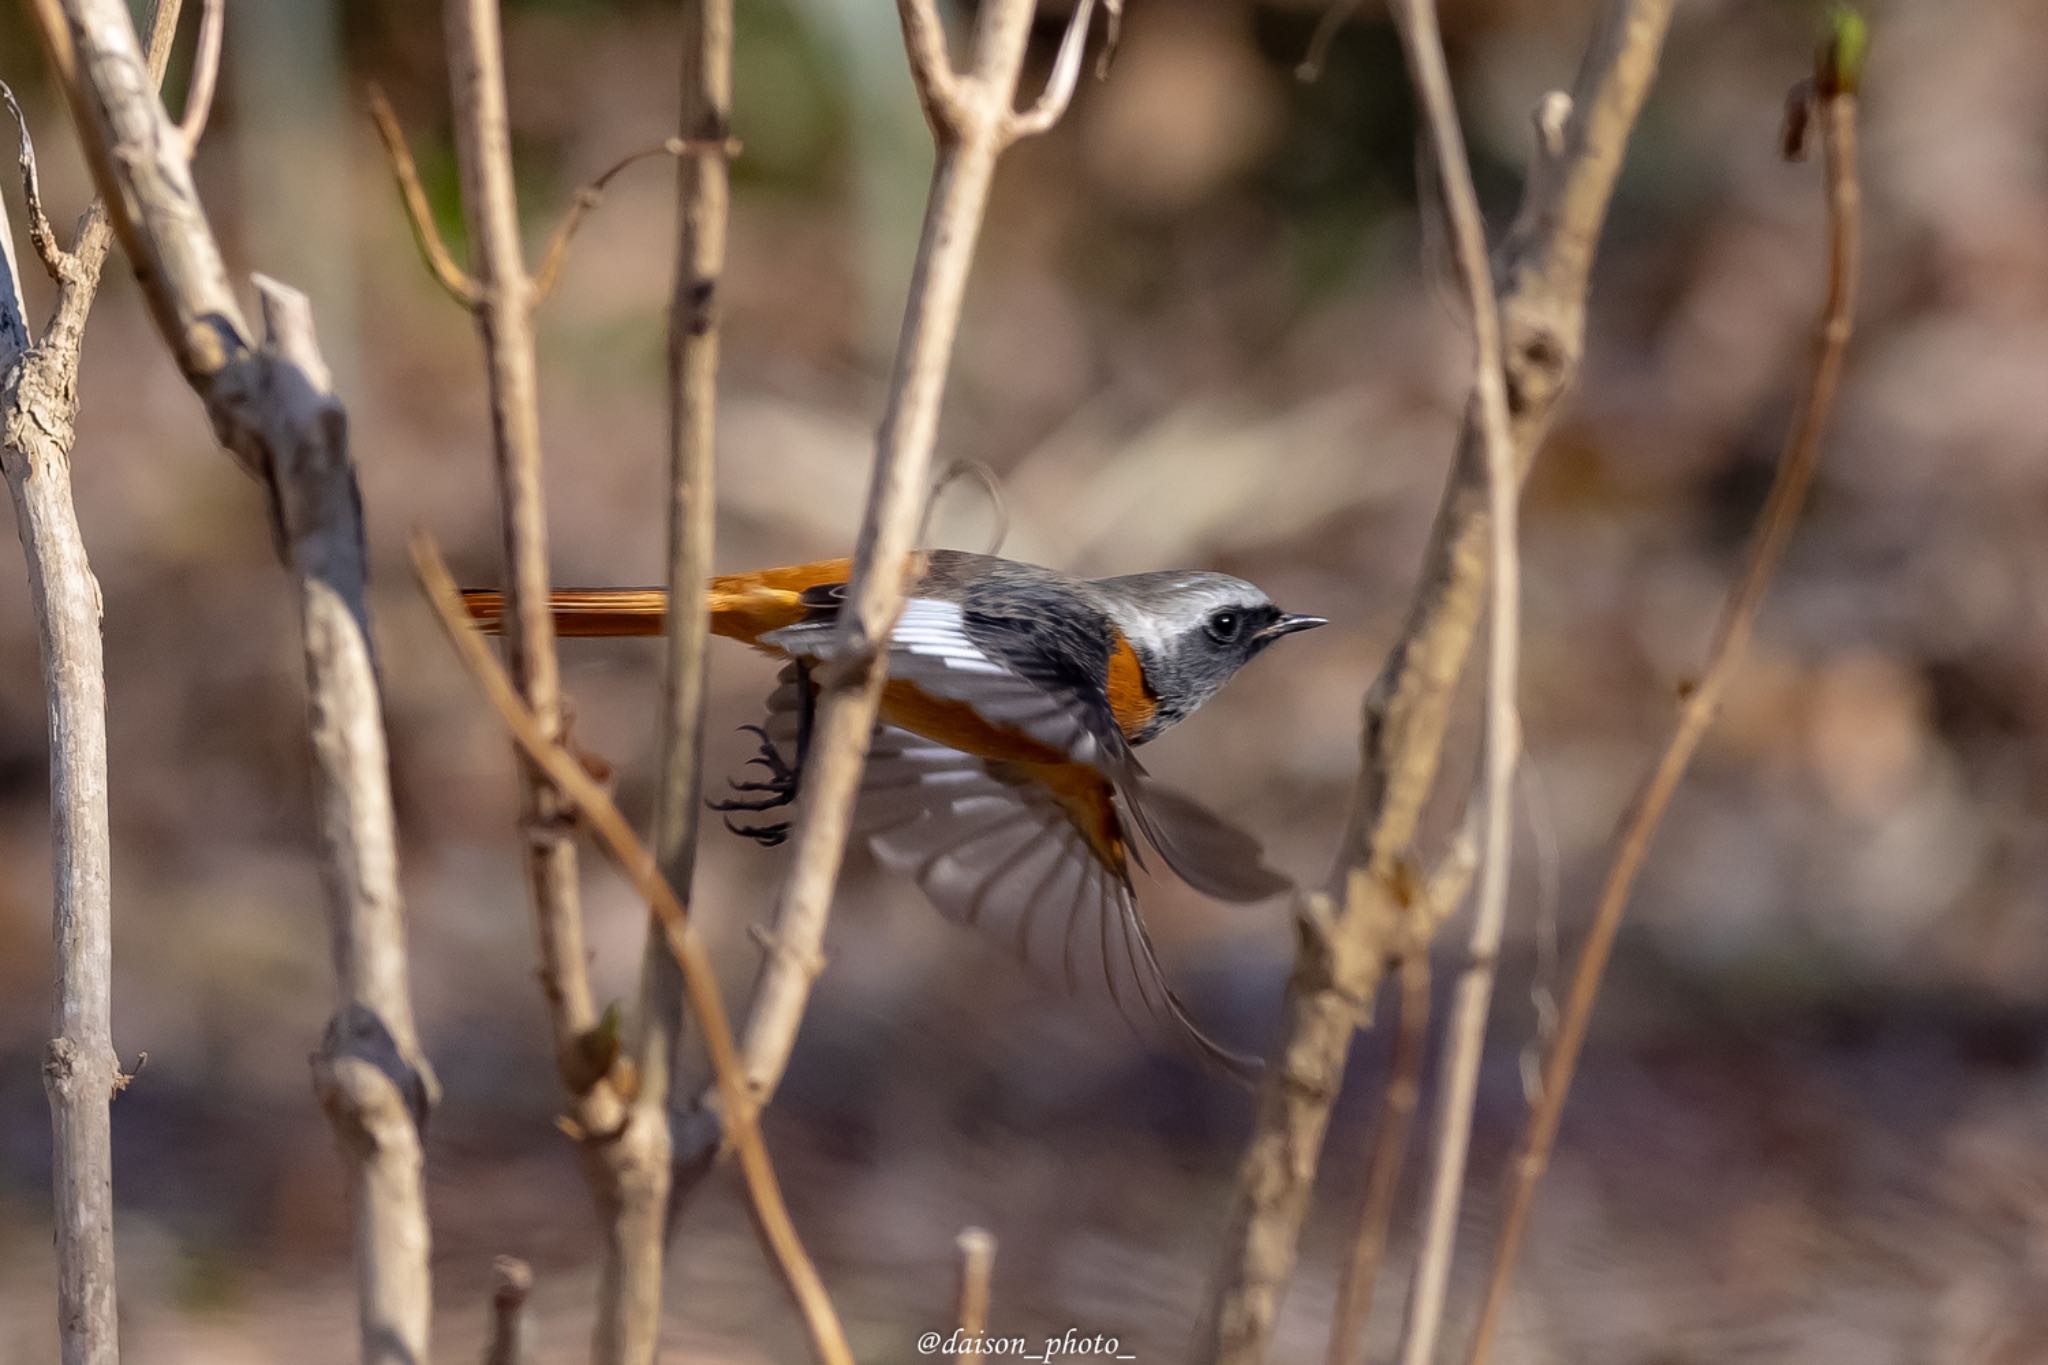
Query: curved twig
418	214
589	194
205	74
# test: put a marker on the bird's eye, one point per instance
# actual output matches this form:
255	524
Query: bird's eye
1224	626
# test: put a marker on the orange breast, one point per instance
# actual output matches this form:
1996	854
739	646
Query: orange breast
1130	699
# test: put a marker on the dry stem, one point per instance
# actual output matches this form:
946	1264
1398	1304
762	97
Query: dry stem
1384	1158
1837	110
205	74
511	1338
272	410
1466	1040
1341	956
977	1267
973	119
703	192
594	806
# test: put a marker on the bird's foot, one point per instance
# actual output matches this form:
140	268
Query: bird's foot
779	790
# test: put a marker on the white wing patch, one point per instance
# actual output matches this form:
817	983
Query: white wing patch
931	648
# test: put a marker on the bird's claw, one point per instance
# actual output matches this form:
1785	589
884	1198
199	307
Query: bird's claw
779	790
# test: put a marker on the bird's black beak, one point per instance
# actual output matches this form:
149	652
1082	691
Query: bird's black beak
1289	624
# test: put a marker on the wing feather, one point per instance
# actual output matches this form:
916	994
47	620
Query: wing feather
998	852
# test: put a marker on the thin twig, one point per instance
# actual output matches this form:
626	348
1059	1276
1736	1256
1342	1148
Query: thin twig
977	1266
972	114
41	235
590	194
596	811
1438	900
205	74
1328	25
511	1339
418	213
1345	933
1836	92
1385	1156
1051	104
1466	1041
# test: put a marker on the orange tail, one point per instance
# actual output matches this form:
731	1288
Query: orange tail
744	606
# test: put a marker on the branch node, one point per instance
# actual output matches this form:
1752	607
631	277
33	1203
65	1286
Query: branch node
940	87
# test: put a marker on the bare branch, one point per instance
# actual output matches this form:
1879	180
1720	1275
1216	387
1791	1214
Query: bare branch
511	1339
584	795
1836	96
38	411
1341	957
425	233
1052	102
939	86
1466	1041
851	682
703	196
590	194
205	74
271	408
977	1265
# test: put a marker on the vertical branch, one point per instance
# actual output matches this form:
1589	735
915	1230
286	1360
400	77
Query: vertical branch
974	118
504	315
1342	948
1834	90
1465	1042
38	412
272	409
703	189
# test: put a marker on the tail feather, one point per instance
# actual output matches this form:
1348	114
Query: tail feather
591	612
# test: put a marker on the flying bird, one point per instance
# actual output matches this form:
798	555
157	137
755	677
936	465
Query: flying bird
1001	776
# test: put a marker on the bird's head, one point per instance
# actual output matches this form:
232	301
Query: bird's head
1193	631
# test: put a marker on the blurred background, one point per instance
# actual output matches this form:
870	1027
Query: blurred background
1207	328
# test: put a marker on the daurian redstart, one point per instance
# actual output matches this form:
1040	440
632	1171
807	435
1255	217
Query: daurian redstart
1001	775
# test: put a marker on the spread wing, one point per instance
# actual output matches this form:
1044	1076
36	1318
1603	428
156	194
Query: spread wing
997	850
1021	689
